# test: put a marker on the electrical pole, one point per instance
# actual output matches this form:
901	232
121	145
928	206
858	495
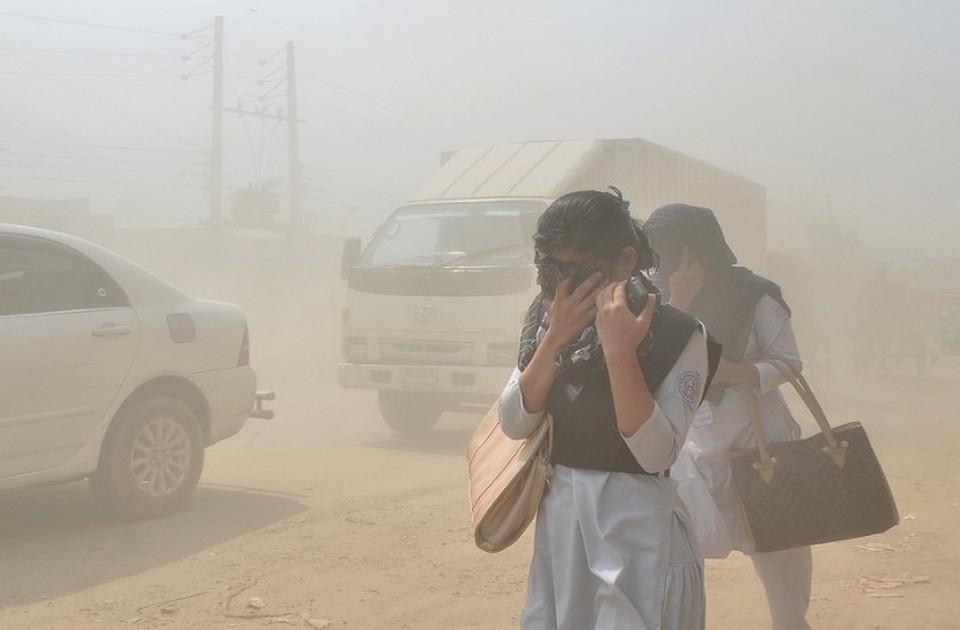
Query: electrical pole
293	142
216	139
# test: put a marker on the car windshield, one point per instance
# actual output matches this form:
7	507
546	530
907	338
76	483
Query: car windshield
455	234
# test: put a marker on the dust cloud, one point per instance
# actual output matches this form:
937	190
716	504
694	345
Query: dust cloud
323	516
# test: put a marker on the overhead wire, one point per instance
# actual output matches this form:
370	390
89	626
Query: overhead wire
83	181
107	104
112	147
99	158
32	111
103	153
83	168
103	26
88	75
99	53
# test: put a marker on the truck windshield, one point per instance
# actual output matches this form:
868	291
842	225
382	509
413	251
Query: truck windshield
455	234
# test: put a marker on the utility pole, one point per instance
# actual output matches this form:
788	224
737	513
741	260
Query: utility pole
216	139
293	142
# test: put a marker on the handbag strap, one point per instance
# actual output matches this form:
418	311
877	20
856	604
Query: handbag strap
837	451
766	463
546	448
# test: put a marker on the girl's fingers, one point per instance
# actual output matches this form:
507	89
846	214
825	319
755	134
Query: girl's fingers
647	311
620	292
589	286
605	294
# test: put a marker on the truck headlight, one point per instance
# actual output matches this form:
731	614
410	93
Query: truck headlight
502	353
355	349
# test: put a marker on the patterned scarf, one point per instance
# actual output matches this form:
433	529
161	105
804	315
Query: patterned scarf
582	361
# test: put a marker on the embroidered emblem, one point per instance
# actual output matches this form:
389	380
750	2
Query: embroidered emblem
688	387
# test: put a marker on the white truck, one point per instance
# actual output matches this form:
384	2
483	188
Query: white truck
435	301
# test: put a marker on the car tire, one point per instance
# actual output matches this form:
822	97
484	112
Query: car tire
409	413
151	459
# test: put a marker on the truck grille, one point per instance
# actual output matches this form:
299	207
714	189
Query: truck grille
425	352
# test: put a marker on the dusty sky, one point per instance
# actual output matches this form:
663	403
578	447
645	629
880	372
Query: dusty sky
843	105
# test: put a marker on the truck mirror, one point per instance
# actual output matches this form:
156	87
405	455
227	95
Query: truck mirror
351	251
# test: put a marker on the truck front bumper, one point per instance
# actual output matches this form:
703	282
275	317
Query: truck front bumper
452	379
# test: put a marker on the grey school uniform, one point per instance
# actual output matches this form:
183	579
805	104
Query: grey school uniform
614	550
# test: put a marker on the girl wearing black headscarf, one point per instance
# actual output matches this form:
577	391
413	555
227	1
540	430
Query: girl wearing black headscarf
748	315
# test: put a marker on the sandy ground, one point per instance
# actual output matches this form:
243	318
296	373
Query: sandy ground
322	518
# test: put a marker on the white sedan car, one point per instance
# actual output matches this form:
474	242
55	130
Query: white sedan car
109	372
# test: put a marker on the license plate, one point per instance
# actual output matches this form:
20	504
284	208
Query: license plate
418	379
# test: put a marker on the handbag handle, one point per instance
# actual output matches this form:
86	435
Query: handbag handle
837	451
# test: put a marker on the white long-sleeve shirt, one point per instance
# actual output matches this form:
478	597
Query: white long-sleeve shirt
615	549
703	468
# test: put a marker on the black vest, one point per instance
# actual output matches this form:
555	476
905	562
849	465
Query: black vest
585	431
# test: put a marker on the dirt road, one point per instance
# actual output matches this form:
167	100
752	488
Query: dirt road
321	518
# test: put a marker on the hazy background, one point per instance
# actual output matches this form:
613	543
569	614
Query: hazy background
845	107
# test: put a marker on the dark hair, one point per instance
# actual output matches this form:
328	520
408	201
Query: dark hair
595	223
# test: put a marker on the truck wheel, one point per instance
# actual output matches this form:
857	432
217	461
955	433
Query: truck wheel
151	459
409	413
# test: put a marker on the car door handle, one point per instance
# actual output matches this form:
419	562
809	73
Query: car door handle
111	330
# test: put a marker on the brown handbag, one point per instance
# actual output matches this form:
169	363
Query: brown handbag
824	488
507	480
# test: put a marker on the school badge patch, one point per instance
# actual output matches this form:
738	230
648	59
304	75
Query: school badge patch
688	387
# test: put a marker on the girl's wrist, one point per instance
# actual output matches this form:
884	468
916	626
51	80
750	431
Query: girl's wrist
551	346
621	359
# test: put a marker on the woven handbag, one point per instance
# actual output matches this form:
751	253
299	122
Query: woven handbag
507	480
824	488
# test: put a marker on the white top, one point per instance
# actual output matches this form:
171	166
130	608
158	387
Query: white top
615	549
703	467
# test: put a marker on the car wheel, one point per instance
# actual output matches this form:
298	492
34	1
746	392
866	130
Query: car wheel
151	459
409	413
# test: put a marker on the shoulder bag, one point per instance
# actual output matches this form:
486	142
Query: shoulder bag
507	480
824	488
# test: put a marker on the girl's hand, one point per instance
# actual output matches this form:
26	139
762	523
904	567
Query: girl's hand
571	311
621	331
686	282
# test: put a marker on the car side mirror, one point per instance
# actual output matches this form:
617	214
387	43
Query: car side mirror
351	252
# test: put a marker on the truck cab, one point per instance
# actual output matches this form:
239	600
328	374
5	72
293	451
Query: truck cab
435	303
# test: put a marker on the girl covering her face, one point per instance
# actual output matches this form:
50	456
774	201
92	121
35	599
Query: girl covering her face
613	547
748	315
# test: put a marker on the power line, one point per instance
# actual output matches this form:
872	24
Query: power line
103	146
56	51
335	178
100	75
94	25
101	158
154	191
386	128
108	169
48	124
377	136
104	103
85	181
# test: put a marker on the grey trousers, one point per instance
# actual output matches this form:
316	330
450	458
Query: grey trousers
786	577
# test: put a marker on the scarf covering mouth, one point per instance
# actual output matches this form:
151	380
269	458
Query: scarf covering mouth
728	299
582	360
